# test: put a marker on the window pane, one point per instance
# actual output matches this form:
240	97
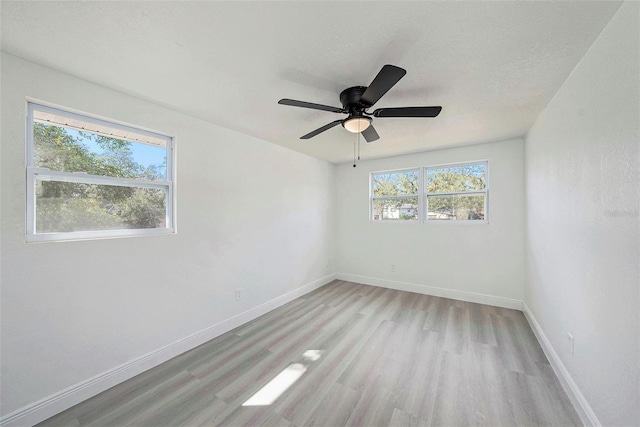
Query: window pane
69	206
457	178
456	207
395	209
69	150
404	183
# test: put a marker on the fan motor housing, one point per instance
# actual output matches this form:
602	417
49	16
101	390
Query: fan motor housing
350	99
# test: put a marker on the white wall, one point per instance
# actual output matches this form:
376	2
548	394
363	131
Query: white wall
469	261
251	215
582	186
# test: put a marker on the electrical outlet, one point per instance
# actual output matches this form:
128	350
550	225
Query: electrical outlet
393	268
571	343
238	294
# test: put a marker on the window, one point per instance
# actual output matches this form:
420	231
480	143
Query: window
87	177
395	195
456	192
439	193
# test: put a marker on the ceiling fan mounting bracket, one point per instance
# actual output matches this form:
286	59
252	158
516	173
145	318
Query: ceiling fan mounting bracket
350	100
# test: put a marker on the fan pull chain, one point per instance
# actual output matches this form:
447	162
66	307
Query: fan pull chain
355	136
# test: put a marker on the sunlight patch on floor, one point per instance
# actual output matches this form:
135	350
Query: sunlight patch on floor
285	379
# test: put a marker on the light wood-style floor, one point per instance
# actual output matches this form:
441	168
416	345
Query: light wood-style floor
386	357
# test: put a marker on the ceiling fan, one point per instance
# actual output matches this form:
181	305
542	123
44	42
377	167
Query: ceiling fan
358	99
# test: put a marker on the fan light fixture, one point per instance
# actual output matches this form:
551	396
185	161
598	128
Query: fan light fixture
356	124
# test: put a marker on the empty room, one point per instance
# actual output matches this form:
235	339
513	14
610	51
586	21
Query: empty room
314	213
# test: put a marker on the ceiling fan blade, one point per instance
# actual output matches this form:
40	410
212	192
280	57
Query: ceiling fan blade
388	76
320	130
294	103
370	134
408	112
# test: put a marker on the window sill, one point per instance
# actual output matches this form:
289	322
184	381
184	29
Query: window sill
96	235
444	222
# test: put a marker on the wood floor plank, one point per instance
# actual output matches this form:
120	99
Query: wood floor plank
521	402
298	306
513	350
438	315
359	374
417	384
480	326
138	409
405	340
254	416
452	401
366	356
209	415
64	419
206	412
334	408
375	407
487	389
400	418
457	334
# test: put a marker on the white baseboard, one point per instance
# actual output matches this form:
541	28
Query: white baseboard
65	399
587	416
432	290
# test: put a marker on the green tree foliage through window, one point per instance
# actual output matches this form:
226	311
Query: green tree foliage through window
70	206
395	195
456	192
456	178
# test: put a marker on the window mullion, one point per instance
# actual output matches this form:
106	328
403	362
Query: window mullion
410	196
421	195
85	178
455	193
425	198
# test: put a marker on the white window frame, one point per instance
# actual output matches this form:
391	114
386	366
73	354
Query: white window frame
34	172
419	196
423	203
484	192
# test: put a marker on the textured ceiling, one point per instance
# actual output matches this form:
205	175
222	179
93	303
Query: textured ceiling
492	66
